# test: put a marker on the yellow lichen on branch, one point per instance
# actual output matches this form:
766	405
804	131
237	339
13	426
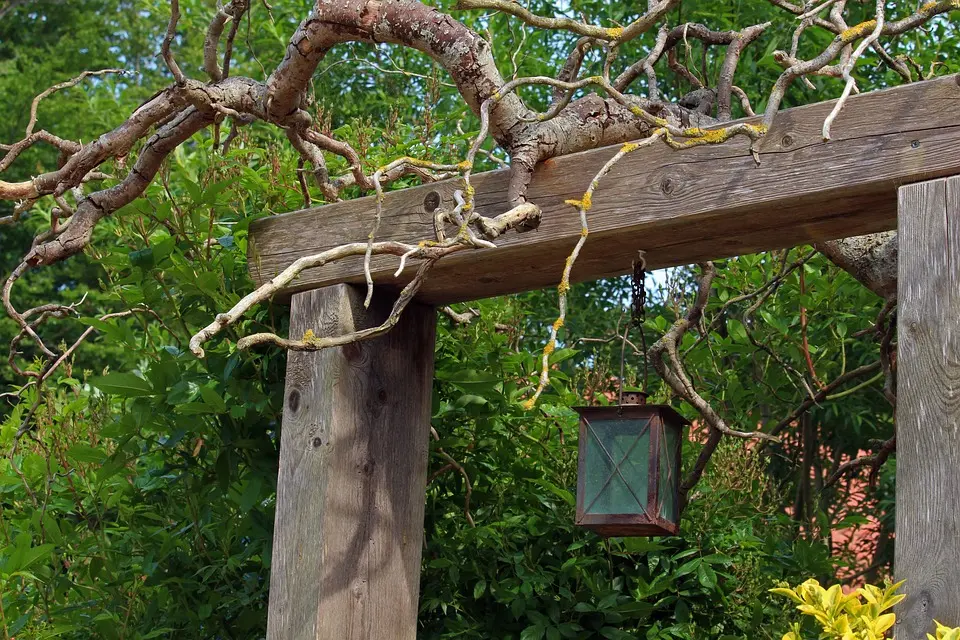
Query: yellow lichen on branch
695	136
858	31
655	120
584	203
615	32
675	138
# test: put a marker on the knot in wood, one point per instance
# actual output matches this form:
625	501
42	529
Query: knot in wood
786	141
317	442
293	400
668	186
431	201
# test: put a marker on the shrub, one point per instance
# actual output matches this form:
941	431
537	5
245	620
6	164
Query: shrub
861	615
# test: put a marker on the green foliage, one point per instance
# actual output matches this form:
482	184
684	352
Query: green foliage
142	506
140	503
525	571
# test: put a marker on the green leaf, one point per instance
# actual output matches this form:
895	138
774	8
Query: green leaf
29	556
789	593
468	399
127	385
561	355
689	567
195	408
533	632
707	576
52	529
736	329
211	397
636	609
142	258
563	494
85	453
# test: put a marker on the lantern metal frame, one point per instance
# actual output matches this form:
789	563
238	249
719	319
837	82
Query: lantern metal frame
657	418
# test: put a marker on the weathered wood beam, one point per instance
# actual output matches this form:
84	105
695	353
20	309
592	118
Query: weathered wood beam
679	206
353	471
928	407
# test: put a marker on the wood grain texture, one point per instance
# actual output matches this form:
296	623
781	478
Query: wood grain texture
680	206
928	407
353	465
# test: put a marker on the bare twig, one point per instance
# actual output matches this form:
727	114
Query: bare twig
615	34
165	52
583	206
874	461
822	394
453	464
672	371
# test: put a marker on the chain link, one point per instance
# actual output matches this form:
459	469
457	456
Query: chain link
639	291
639	311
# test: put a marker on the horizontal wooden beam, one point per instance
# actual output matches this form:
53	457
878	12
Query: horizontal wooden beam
679	206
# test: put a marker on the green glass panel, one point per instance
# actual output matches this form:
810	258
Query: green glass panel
605	490
668	474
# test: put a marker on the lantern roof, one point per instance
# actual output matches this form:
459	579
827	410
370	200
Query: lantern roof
631	411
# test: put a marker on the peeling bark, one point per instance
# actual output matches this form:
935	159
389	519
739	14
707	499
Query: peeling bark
871	259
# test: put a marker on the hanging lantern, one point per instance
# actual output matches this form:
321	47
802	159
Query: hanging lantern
628	481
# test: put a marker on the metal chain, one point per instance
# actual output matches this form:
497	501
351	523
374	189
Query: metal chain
639	316
639	290
638	305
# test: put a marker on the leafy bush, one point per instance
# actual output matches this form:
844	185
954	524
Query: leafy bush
863	614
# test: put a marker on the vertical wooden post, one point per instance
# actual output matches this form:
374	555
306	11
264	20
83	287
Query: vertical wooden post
353	465
928	407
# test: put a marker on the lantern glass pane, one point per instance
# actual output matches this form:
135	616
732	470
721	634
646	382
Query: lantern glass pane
617	466
669	441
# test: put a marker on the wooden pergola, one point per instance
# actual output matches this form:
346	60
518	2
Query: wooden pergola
354	444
